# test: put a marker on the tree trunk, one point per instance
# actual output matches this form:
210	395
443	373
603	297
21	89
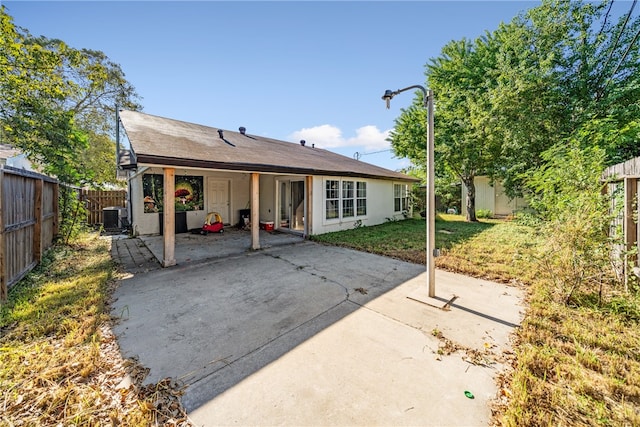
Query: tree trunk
471	198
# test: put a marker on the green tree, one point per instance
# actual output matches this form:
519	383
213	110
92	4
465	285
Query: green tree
563	65
459	80
30	90
57	106
502	100
52	94
95	86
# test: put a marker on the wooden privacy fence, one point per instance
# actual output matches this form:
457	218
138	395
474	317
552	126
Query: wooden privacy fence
97	200
28	222
623	179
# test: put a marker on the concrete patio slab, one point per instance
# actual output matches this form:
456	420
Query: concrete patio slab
197	247
306	334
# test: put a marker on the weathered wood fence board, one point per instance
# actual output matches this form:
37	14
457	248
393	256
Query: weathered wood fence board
97	200
623	178
28	222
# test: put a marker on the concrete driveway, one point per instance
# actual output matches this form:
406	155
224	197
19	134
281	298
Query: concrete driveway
306	334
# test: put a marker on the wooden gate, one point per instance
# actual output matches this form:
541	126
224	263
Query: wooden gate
97	200
28	222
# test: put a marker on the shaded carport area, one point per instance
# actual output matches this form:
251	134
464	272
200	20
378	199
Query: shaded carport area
306	334
195	247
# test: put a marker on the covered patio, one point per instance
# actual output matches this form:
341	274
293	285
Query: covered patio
197	248
179	170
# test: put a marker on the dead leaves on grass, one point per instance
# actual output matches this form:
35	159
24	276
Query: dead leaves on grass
70	385
483	357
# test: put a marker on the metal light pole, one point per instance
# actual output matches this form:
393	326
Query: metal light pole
431	199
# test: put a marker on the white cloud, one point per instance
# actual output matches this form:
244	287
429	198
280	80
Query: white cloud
325	136
369	137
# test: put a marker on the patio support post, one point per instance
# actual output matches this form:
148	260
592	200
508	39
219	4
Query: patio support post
169	225
255	211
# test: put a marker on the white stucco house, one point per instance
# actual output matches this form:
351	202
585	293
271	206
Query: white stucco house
295	187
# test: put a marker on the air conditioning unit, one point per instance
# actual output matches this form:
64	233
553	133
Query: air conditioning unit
115	218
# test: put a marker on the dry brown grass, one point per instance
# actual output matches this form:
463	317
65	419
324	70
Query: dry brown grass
59	362
575	366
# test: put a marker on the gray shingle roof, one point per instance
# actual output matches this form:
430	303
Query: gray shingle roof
161	141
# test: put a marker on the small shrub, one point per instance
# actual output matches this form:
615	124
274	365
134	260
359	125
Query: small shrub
484	213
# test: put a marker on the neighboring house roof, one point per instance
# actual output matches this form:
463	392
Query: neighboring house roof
161	141
7	151
15	158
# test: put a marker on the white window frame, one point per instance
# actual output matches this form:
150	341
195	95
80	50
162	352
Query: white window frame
361	196
401	193
332	195
346	193
348	199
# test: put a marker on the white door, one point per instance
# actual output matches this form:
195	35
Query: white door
218	198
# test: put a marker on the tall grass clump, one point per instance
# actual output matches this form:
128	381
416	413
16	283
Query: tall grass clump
576	214
577	348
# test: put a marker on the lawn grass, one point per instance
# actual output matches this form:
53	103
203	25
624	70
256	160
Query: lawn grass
490	248
59	362
574	365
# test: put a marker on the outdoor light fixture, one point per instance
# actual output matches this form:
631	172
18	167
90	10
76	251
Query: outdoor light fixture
387	97
430	217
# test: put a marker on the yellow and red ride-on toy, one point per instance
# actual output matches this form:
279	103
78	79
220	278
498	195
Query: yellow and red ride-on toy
212	224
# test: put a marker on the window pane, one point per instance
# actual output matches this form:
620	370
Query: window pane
400	197
332	209
347	189
362	189
332	189
362	207
347	208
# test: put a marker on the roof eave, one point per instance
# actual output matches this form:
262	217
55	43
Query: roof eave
253	167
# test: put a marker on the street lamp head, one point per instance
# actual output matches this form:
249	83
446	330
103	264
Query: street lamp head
388	94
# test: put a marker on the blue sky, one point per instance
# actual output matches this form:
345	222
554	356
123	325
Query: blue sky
288	70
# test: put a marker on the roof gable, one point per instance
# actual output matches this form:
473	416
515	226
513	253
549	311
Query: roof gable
161	141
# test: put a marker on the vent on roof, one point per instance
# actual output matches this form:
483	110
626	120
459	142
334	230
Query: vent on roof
302	142
242	130
221	133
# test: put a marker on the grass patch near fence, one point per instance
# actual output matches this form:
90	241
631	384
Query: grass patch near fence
575	365
59	362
